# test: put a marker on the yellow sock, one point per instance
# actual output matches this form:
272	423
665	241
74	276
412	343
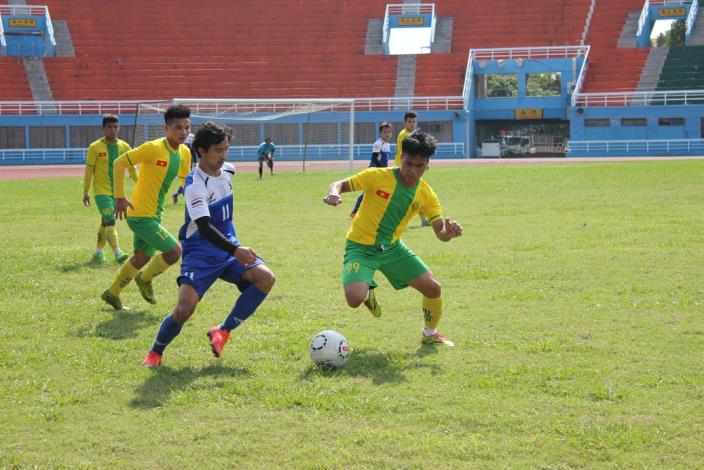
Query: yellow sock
111	235
155	267
124	276
432	311
101	238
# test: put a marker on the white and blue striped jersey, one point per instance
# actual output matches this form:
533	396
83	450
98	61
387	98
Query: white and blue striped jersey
209	196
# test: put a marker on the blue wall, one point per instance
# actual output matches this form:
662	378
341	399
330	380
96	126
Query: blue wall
27	41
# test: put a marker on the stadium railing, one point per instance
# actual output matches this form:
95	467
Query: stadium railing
419	103
588	22
235	153
526	53
3	43
406	9
30	10
692	17
639	98
651	147
15	108
644	13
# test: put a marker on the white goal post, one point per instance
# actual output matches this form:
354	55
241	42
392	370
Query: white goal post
301	129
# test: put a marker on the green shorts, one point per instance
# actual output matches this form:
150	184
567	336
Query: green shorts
150	236
397	262
106	207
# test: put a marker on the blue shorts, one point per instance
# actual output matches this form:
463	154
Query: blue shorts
201	273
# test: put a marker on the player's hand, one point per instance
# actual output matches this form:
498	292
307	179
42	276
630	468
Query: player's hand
86	200
121	205
245	255
333	199
453	228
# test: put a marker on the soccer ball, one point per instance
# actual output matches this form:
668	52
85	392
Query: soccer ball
329	349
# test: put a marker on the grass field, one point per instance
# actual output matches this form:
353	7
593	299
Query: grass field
575	299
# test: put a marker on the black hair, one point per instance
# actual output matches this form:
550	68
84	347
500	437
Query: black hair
210	134
384	125
419	144
409	114
176	111
108	118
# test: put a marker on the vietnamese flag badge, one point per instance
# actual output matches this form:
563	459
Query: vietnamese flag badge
383	194
161	163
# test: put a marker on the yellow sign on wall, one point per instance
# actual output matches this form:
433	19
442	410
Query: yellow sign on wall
23	22
411	21
528	113
679	11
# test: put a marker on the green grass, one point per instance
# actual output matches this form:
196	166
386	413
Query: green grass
575	299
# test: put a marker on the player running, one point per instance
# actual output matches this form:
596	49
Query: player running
211	250
160	161
99	160
392	196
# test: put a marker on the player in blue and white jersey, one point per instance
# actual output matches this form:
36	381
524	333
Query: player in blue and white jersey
381	151
211	249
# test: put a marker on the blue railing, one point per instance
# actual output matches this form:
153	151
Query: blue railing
236	154
636	148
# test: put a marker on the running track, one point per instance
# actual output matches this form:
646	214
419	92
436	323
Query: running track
63	171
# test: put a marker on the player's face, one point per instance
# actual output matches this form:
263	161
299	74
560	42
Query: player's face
177	130
386	134
412	168
411	124
111	131
213	159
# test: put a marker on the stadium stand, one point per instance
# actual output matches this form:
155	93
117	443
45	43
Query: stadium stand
506	23
13	80
131	50
683	70
611	68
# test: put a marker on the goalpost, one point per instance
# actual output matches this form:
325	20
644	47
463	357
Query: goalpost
301	129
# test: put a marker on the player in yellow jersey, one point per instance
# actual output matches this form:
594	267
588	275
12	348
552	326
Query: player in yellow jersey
410	121
160	161
99	160
392	196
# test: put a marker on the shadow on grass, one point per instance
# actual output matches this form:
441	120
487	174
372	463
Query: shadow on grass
123	324
163	380
73	267
379	366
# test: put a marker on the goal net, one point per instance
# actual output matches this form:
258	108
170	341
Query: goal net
302	130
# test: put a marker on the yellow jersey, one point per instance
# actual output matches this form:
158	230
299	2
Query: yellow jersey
388	206
99	166
159	164
399	148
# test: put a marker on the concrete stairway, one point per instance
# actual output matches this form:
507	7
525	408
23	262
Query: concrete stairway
406	75
38	81
443	36
629	31
64	43
650	75
373	40
697	36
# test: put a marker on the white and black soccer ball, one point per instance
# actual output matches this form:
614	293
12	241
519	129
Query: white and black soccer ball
329	349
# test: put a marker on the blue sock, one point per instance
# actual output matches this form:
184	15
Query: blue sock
359	203
168	330
245	306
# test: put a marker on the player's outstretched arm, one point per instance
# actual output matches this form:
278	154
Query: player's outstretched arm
118	171
333	198
446	229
